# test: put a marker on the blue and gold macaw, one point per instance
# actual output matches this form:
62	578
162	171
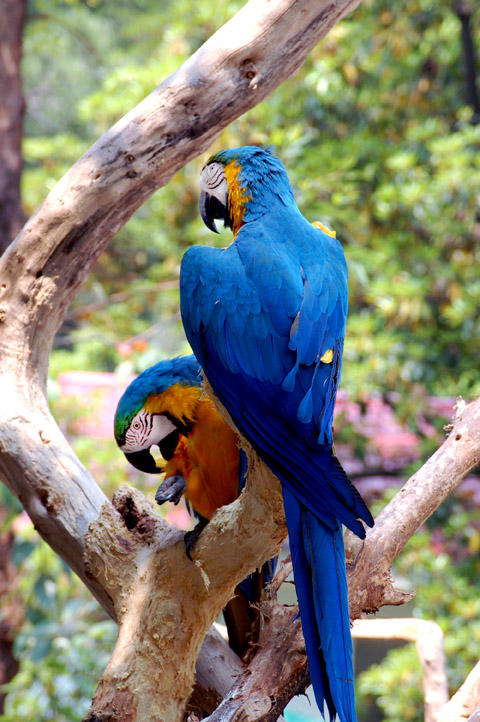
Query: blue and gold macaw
266	319
165	406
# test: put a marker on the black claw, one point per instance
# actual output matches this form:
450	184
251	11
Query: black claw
191	537
172	489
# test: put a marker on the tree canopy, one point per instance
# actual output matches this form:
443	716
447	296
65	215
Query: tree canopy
377	136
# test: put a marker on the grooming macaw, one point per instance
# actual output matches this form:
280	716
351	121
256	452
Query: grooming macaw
266	319
164	406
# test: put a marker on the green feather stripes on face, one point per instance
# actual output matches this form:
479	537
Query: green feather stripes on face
154	380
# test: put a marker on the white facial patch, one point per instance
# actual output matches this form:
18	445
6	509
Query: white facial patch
145	430
213	181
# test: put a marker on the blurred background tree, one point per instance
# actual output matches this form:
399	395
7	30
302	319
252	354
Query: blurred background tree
380	143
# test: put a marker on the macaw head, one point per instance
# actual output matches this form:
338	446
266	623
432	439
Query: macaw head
238	185
156	408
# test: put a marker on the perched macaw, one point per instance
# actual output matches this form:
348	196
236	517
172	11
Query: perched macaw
266	319
164	406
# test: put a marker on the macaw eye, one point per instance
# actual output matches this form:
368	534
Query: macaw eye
214	182
136	424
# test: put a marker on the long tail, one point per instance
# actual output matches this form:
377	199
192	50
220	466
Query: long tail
318	558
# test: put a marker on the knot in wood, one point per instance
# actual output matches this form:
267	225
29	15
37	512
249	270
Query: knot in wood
249	71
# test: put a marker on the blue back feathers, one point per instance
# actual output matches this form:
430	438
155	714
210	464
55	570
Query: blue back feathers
266	319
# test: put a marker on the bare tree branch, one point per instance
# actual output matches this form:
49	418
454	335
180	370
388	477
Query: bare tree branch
277	673
464	703
43	269
164	602
41	272
370	583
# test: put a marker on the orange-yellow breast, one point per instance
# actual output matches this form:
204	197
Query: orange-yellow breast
208	460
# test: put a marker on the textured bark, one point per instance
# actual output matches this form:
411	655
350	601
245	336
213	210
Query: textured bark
12	18
42	271
278	671
370	583
165	603
217	670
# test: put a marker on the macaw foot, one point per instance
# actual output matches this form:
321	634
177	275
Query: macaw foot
172	489
191	537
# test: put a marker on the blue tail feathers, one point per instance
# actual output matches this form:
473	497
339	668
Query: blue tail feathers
318	559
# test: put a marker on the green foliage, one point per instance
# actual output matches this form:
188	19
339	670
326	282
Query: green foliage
396	686
64	643
376	137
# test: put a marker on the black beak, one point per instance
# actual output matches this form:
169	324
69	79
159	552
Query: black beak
168	445
210	209
144	461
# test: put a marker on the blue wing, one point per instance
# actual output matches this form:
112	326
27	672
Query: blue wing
259	315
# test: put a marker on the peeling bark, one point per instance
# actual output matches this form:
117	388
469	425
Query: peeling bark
139	560
370	583
41	272
278	671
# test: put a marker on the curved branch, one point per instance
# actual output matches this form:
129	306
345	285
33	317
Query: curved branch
41	272
165	604
370	584
234	70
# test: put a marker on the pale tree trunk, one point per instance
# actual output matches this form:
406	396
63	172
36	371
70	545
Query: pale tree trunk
131	560
12	18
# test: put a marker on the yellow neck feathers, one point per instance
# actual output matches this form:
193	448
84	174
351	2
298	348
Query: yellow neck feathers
237	195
